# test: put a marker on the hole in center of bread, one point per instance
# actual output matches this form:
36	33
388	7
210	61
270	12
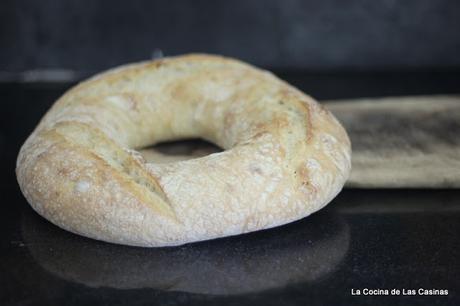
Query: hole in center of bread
173	151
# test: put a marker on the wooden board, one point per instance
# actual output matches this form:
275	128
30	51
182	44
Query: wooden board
403	141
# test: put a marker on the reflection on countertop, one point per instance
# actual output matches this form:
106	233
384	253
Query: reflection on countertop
301	252
363	239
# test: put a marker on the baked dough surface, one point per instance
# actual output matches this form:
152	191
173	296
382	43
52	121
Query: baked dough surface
284	155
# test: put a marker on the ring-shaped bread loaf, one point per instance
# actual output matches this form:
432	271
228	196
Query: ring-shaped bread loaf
284	155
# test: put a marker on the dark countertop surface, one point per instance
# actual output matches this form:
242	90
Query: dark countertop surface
376	239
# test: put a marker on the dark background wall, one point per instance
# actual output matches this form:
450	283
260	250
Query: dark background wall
338	35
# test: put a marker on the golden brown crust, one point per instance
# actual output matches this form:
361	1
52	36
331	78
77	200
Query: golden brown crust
285	156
